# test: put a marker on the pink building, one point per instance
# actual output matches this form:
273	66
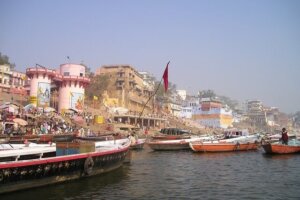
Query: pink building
70	81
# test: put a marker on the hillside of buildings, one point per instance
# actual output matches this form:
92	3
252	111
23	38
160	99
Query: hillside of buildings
114	89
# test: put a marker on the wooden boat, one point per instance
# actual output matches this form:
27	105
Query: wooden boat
45	138
170	137
172	134
169	145
104	137
18	139
72	161
278	148
242	143
139	144
222	146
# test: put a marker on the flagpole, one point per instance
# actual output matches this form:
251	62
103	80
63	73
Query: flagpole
153	94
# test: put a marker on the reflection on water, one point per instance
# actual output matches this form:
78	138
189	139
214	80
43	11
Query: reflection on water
281	156
186	175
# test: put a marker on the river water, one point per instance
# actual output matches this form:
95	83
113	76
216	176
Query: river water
185	175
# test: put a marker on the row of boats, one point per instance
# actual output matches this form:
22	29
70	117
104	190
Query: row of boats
24	166
235	142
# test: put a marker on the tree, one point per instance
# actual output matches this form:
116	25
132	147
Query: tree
233	104
224	99
207	94
161	95
4	60
88	72
98	84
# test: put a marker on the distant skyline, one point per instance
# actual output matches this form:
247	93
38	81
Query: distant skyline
238	48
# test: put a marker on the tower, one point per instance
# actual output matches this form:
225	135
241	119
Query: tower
40	85
69	79
71	89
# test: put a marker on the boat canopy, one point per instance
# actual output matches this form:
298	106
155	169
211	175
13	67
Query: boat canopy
174	131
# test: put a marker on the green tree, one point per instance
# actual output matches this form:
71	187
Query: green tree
98	84
4	60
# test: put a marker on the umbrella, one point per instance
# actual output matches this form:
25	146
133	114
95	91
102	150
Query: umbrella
29	115
20	121
29	106
49	109
74	110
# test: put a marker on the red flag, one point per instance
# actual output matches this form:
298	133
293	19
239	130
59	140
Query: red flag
165	77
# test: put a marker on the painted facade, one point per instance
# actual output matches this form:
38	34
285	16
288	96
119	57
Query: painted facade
70	81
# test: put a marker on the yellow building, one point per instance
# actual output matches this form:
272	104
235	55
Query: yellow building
12	82
128	87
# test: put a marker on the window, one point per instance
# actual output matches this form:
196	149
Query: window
66	73
81	74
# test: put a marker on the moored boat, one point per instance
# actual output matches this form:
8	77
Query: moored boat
172	134
278	148
72	161
242	143
222	146
168	145
139	144
45	138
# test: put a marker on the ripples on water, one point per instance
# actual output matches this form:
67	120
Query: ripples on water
185	175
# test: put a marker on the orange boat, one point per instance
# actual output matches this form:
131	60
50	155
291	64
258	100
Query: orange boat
277	148
222	146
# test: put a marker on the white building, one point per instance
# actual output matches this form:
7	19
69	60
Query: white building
182	94
212	113
175	109
186	112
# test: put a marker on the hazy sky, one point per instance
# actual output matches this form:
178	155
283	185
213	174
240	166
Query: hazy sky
241	49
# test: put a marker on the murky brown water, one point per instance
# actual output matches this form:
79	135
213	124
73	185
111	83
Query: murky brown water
185	175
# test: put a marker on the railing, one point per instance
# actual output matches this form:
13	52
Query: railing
57	75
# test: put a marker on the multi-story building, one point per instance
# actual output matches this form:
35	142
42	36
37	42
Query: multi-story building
182	94
186	112
212	113
256	113
128	86
174	108
12	81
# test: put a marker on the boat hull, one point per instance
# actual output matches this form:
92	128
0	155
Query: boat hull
222	147
35	173
170	137
157	146
280	149
138	145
